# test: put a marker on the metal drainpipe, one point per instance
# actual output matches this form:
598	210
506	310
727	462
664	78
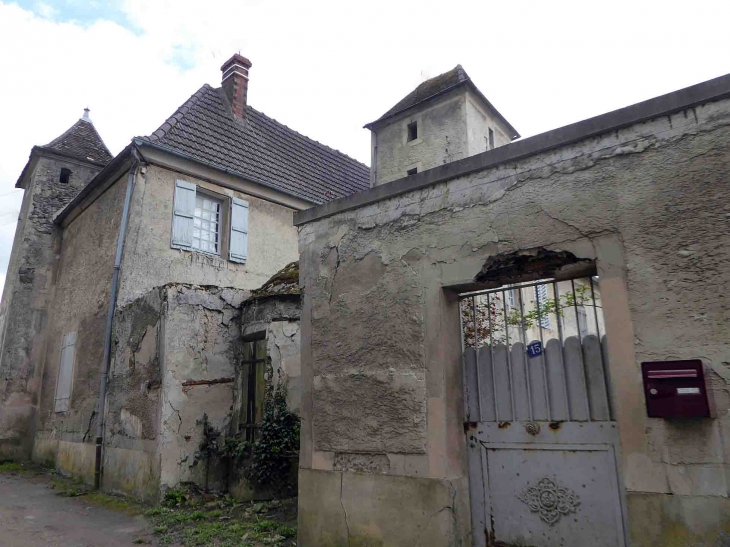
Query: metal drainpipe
374	161
110	318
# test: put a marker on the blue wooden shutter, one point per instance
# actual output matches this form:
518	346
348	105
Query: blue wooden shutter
239	230
182	219
65	373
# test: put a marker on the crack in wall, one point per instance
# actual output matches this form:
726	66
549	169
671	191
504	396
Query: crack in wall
88	429
570	165
178	415
436	513
334	274
342	504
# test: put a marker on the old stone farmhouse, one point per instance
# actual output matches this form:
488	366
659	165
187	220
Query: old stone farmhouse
129	276
492	341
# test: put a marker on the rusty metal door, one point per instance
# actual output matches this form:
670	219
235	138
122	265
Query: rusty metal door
542	443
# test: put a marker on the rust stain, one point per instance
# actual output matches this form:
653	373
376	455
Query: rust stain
190	383
555	425
503	425
469	425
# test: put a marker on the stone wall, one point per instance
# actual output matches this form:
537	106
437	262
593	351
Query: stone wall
442	138
28	286
451	127
382	401
79	304
153	362
479	120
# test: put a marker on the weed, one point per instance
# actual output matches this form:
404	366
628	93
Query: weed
175	497
11	467
197	526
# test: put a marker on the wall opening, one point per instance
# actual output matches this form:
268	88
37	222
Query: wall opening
254	385
65	176
412	131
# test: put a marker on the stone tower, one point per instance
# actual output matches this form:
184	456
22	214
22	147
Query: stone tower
53	176
444	119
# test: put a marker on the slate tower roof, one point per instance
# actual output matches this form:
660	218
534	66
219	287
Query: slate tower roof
259	149
81	141
435	87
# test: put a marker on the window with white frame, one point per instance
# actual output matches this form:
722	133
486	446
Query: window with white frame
206	224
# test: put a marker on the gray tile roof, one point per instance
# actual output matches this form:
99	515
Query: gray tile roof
81	141
436	86
426	90
260	149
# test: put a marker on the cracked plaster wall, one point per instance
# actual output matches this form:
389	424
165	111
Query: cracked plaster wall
201	339
131	462
24	307
381	352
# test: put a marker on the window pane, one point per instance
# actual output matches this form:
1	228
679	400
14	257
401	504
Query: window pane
206	236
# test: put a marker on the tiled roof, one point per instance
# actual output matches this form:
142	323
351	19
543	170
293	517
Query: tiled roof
429	88
81	141
437	86
260	149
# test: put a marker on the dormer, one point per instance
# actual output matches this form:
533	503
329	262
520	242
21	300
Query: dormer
444	119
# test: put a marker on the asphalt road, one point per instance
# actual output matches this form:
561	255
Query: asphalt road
31	514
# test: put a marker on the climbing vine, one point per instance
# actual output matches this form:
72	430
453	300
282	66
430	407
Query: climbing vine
265	462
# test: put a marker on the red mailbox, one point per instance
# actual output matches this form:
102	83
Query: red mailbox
675	389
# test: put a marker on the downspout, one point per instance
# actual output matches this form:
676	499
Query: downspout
110	318
373	159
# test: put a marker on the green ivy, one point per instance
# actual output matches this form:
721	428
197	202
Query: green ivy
276	444
267	461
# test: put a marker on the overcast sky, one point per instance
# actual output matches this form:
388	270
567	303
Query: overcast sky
325	68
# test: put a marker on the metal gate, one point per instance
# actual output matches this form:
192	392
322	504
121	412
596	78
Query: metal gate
543	446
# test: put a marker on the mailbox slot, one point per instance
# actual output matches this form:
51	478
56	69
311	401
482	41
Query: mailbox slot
675	389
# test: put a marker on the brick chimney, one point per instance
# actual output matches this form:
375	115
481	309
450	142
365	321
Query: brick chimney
235	83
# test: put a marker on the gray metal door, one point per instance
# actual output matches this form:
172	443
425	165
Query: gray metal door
543	447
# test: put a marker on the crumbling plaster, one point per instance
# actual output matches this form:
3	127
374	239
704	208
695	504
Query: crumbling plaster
201	345
641	200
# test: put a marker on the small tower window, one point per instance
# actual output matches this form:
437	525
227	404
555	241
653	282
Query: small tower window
491	139
65	176
412	131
